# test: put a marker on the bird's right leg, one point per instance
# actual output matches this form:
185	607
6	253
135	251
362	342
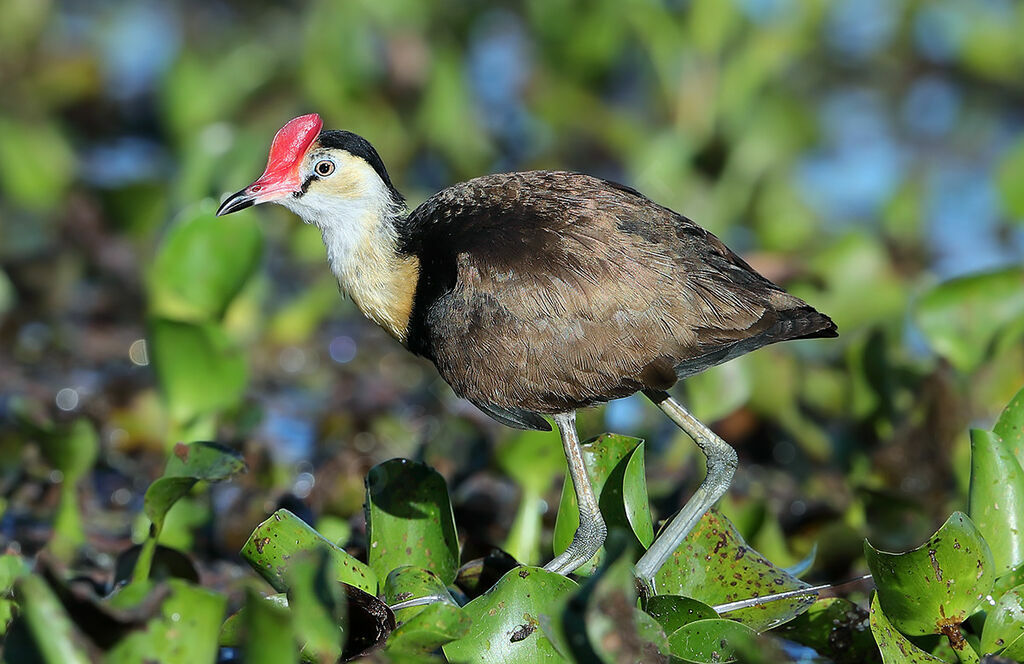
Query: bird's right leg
721	463
592	530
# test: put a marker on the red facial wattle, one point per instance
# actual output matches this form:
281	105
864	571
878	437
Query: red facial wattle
286	152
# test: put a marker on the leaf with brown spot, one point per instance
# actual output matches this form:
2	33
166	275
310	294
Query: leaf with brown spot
895	648
938	584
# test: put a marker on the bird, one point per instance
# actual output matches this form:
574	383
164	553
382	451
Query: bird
536	294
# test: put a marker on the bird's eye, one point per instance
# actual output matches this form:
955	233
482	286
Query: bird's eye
324	168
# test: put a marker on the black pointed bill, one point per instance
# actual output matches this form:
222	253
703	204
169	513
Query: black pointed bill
235	202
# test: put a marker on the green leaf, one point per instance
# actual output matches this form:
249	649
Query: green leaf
935	587
199	369
48	624
233	631
202	265
317	604
72	450
533	459
996	499
12	568
835	628
406	583
1010	426
615	465
505	620
409	520
275	542
1010	178
714	565
30	149
1003	633
268	631
674	611
895	648
962	317
709	641
188	465
184	632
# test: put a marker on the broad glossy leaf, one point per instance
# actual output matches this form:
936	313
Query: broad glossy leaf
1010	426
277	540
269	638
615	465
938	584
51	630
996	499
715	566
232	631
1008	581
406	583
1003	633
185	631
674	611
317	605
202	264
709	641
962	317
895	648
835	628
505	620
430	629
409	520
199	369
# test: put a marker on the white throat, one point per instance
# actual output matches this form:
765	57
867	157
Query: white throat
361	238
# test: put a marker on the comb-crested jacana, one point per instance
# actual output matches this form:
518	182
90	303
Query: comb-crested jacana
536	294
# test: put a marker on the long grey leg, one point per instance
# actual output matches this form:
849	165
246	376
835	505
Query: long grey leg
592	530
721	466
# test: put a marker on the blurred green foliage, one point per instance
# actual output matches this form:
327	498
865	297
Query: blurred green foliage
867	155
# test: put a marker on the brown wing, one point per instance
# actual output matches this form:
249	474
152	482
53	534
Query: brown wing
543	292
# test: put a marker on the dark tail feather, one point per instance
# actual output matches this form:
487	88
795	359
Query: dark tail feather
803	322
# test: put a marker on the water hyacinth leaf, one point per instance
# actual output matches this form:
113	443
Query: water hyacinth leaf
835	628
615	465
167	563
996	499
961	317
185	630
430	629
894	647
1003	633
199	369
318	606
276	541
12	568
202	265
232	631
709	641
268	632
533	459
1010	426
1008	581
47	623
407	583
505	620
674	611
714	565
935	587
409	520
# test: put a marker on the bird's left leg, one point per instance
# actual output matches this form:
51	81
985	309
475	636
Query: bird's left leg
721	463
592	530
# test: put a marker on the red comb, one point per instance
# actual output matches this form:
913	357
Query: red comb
290	144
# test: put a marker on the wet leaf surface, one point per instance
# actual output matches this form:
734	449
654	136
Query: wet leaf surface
996	499
709	641
275	542
268	632
935	587
409	520
506	620
1003	633
714	565
615	465
674	611
895	648
1010	426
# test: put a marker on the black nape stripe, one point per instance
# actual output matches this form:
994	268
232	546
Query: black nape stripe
358	146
